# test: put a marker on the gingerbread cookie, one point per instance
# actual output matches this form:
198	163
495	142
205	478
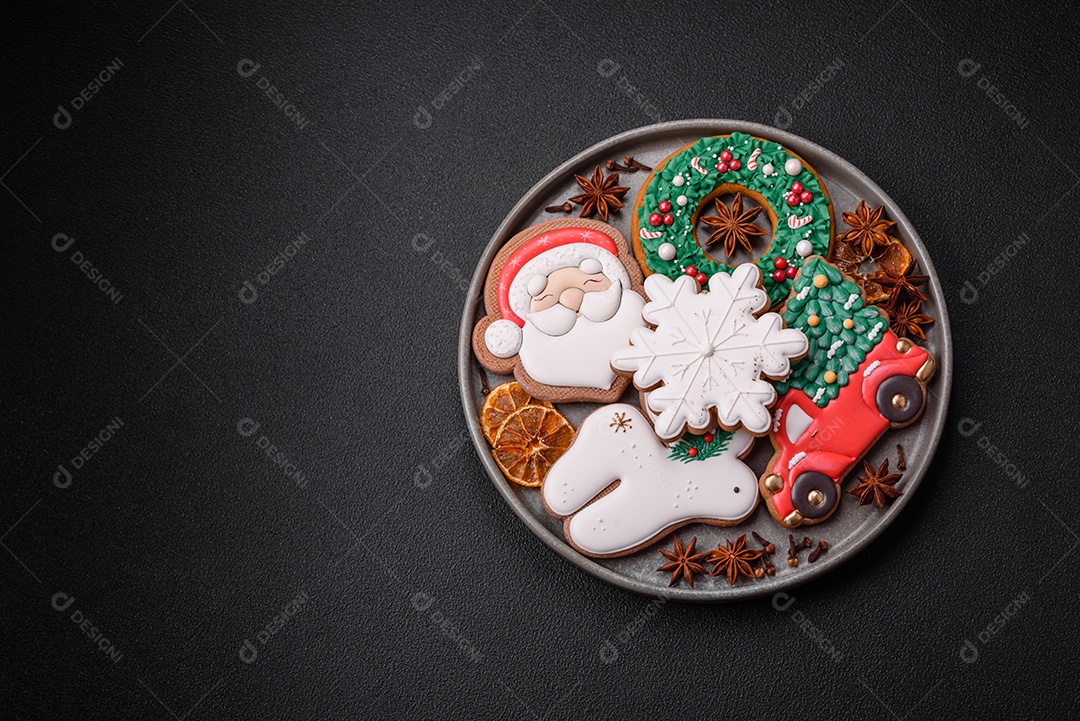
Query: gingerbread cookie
560	297
682	186
618	488
710	354
858	380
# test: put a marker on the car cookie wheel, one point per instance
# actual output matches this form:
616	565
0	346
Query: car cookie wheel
900	399
679	189
814	495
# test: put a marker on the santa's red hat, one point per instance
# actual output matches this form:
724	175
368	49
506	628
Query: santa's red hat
526	272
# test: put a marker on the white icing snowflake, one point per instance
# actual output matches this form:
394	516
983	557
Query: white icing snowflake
708	352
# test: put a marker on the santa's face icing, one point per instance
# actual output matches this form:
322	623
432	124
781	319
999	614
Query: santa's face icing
567	286
577	318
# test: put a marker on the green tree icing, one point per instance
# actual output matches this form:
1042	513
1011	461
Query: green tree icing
832	346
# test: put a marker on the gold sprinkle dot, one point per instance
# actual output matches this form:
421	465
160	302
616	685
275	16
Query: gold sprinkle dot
830	377
849	323
820	281
812	321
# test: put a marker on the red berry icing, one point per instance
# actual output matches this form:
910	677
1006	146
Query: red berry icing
791	271
725	155
708	437
656	219
796	187
669	219
806	196
778	275
780	262
664	206
691	270
722	167
735	164
792	199
691	452
701	278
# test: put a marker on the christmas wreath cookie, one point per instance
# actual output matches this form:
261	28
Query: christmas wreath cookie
561	297
858	380
688	183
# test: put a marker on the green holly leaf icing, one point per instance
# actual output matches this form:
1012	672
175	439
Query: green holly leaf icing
680	451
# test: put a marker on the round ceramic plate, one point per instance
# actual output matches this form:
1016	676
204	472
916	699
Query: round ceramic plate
852	527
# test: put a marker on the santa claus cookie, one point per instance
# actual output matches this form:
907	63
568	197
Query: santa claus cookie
618	488
560	298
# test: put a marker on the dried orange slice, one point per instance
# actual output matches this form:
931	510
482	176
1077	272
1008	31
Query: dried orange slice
895	258
529	442
874	292
500	403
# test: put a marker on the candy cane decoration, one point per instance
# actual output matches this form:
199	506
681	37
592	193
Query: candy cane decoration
752	162
697	166
793	222
650	234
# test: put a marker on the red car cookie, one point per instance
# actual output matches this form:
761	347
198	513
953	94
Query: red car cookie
858	380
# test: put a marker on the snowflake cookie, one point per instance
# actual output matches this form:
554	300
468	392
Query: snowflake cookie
709	352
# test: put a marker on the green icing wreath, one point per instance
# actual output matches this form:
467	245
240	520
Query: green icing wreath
697	167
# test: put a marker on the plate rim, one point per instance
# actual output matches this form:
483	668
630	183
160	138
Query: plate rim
467	389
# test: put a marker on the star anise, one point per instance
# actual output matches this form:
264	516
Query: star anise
599	195
900	285
876	486
907	321
868	229
683	562
733	560
733	226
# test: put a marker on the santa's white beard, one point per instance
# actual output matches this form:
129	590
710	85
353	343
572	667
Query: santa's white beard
581	357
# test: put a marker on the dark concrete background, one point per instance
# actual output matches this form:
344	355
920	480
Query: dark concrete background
178	539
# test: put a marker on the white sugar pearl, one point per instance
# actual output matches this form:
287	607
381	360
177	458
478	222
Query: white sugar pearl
793	166
678	181
666	251
804	248
767	169
681	200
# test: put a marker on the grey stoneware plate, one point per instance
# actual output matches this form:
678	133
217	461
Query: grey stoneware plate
852	527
